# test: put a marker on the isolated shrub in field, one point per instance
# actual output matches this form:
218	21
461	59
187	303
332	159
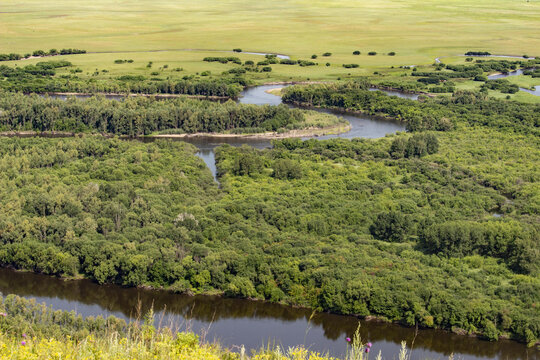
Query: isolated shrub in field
288	62
356	52
372	53
313	56
350	66
306	63
237	50
477	53
266	69
392	53
327	54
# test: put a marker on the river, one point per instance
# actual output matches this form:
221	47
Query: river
364	126
235	322
536	90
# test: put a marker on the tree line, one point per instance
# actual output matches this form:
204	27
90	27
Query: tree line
442	114
140	115
40	53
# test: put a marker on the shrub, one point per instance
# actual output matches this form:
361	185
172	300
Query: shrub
372	53
288	62
306	63
313	56
327	54
356	52
237	50
477	53
266	69
392	53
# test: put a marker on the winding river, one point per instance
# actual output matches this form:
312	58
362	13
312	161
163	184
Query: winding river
361	125
536	90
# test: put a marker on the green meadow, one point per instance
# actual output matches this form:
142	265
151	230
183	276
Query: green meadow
417	31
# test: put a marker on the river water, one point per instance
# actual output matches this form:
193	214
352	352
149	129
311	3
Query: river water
235	322
536	90
361	125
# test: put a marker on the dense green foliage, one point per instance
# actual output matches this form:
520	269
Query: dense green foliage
502	85
511	241
399	227
292	224
431	114
140	115
83	201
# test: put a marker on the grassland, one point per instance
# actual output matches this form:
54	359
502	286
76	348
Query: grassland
417	31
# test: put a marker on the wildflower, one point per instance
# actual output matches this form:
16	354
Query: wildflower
348	339
3	314
24	335
369	344
367	350
23	343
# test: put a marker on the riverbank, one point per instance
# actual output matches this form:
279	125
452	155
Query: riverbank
36	331
212	317
308	132
339	128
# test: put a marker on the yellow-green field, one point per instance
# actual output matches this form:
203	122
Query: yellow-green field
417	30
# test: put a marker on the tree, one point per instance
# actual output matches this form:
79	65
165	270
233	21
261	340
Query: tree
390	226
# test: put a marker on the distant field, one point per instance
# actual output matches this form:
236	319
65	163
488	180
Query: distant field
417	30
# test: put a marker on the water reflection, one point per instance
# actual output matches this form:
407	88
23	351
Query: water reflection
251	323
